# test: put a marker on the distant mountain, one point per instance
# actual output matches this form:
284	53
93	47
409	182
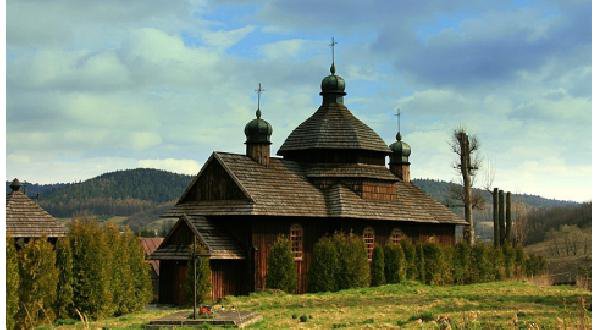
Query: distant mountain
142	194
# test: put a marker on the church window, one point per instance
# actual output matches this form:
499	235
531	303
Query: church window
396	236
296	240
369	239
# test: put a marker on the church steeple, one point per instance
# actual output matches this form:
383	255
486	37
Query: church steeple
399	164
258	135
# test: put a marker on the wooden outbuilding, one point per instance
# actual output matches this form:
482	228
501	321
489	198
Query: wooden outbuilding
331	176
26	220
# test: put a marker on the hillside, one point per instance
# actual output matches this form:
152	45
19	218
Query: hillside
119	193
142	194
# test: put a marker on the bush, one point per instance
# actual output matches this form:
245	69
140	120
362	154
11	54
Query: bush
353	262
535	265
482	263
420	263
39	279
509	260
461	256
12	283
203	281
436	267
377	267
64	293
395	263
410	255
281	268
324	267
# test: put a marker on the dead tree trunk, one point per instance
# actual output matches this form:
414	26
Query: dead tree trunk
502	218
465	166
496	223
508	236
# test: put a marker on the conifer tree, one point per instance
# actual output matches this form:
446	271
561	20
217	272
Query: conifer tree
461	257
354	264
420	263
324	267
377	266
410	254
281	268
121	282
64	292
142	281
203	283
395	263
92	269
12	283
39	279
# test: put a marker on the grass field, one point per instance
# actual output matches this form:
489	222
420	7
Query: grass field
408	305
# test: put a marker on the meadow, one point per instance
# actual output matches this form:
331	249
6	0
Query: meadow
408	305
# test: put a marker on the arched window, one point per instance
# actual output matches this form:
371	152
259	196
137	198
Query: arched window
296	240
396	236
369	239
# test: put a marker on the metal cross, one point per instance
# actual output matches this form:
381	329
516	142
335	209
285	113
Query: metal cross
258	92
398	114
332	45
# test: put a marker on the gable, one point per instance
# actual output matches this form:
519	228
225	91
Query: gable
213	183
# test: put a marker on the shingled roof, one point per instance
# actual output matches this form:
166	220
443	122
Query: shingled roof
25	218
149	245
214	242
333	126
283	189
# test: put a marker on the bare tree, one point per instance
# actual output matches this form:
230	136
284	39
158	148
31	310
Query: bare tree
465	148
521	213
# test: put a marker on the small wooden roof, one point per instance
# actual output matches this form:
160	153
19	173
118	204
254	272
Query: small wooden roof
25	218
215	243
149	245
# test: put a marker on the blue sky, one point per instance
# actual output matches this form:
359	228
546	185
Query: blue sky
99	86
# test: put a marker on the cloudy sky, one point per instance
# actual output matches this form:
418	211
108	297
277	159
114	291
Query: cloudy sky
105	85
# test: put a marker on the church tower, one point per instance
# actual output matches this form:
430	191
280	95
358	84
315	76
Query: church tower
258	136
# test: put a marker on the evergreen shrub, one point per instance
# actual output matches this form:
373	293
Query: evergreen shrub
324	267
12	283
353	271
281	268
395	263
203	281
377	266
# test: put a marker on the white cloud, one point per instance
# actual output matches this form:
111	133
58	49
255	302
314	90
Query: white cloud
185	166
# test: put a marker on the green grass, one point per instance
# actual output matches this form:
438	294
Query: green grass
407	305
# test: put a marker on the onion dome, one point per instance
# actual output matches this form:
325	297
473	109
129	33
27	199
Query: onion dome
258	131
400	151
333	83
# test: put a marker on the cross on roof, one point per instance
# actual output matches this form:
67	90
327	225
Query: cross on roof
398	114
332	45
258	92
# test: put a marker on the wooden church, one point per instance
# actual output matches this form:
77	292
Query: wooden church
330	176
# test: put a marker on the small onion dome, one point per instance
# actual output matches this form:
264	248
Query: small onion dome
333	83
258	131
400	151
15	185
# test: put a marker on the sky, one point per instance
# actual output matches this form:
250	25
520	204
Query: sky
100	86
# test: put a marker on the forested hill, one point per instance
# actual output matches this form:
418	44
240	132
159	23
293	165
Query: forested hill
440	190
116	193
